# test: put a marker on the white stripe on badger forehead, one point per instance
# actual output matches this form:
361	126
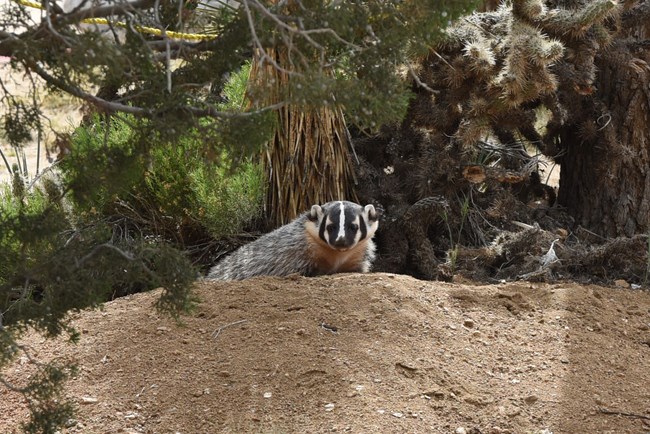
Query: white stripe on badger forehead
341	222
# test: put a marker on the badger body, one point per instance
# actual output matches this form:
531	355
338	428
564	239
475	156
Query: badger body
330	238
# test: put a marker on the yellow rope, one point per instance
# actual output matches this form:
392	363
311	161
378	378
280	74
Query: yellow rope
141	29
152	30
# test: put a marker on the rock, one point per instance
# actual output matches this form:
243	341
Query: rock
468	323
621	283
329	407
512	411
267	395
460	430
530	399
397	414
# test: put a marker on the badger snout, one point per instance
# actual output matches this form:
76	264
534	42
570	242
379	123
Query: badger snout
340	242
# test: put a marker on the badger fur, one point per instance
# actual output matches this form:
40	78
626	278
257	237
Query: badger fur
330	238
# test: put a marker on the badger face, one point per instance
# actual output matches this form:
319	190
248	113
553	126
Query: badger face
342	225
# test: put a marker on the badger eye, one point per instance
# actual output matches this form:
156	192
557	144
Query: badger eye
354	227
331	228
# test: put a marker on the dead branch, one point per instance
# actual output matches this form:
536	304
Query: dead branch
604	410
220	329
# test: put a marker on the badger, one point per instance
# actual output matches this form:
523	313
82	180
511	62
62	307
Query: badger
330	238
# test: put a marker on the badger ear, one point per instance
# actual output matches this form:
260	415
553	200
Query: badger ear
316	213
371	212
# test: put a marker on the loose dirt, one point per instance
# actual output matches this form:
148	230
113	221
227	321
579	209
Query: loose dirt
375	353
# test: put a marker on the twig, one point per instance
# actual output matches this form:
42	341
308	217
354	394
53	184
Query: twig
218	331
2	154
604	116
481	28
420	82
264	57
76	91
623	413
330	328
168	69
443	59
39	175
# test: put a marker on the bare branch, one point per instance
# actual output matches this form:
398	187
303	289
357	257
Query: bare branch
301	31
8	43
79	93
261	51
213	112
217	332
419	82
623	413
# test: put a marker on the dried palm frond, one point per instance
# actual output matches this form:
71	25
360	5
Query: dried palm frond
308	160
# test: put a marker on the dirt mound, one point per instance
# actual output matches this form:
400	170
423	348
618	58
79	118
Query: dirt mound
360	353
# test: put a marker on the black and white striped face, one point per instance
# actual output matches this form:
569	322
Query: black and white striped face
343	224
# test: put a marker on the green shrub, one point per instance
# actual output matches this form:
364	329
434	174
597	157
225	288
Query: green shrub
183	186
228	201
102	165
234	91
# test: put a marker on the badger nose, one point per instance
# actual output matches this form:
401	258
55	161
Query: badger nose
340	242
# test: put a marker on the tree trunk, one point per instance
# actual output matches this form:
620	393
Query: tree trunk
604	176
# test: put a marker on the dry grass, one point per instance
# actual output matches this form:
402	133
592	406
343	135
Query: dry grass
308	160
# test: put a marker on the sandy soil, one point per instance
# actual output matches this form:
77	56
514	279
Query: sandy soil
373	353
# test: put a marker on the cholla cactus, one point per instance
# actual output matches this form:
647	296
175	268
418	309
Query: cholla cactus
498	66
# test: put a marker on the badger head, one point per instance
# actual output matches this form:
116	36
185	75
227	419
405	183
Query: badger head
341	224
